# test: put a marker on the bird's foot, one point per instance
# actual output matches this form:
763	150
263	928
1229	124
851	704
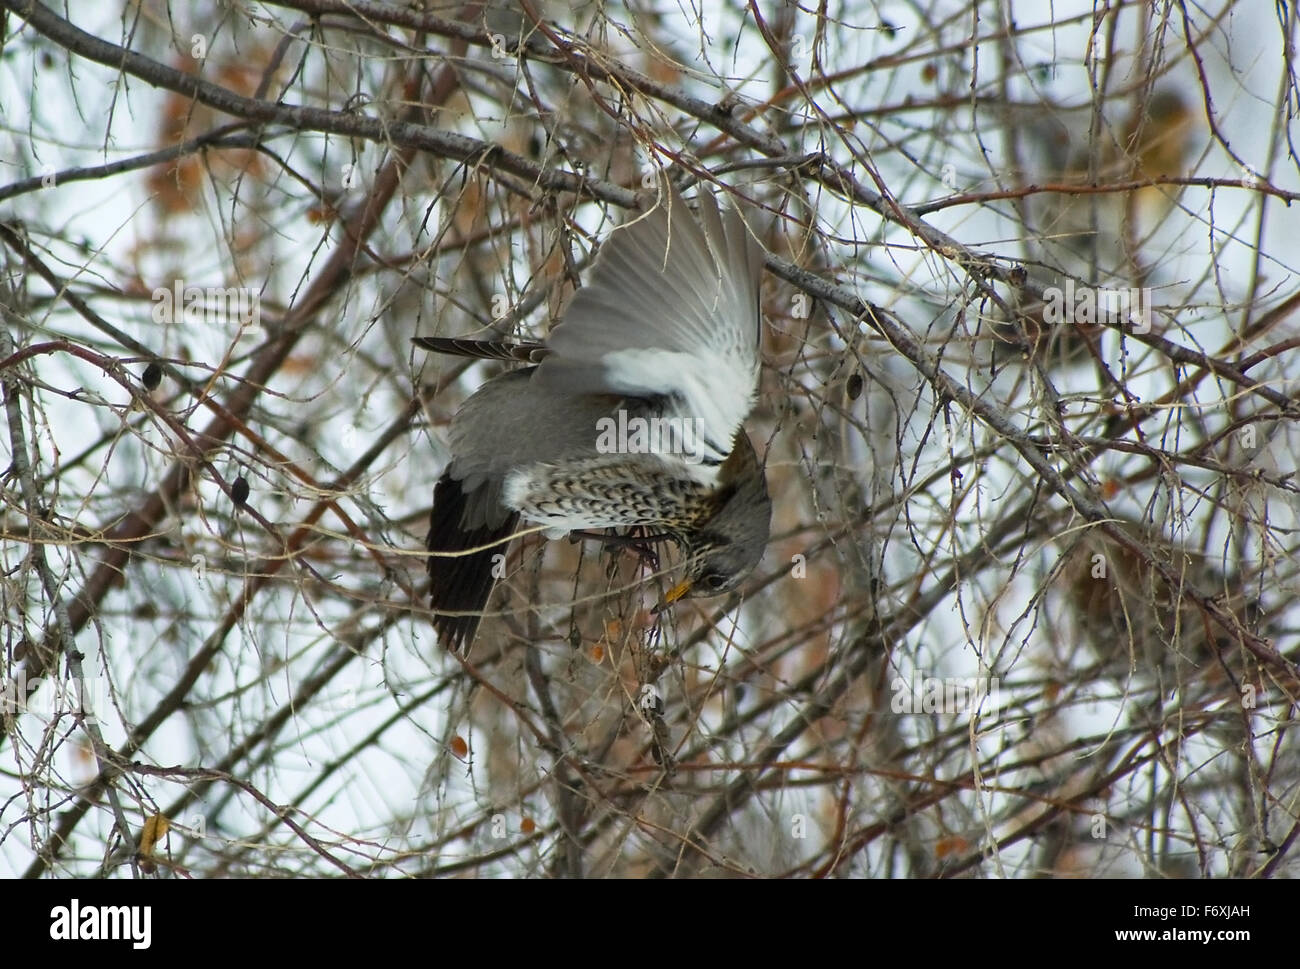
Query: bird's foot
647	554
639	540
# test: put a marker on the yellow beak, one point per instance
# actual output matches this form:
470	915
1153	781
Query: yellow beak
675	593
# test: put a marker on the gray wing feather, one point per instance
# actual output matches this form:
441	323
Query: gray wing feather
671	310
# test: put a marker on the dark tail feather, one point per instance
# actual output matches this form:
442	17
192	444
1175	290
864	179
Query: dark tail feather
482	349
462	583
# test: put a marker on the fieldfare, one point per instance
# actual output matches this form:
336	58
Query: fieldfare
1133	618
630	416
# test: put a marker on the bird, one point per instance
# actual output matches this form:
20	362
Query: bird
1133	618
630	413
1093	234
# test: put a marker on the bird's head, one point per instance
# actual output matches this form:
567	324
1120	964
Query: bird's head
723	547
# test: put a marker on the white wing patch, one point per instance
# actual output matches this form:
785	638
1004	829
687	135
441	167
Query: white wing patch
713	390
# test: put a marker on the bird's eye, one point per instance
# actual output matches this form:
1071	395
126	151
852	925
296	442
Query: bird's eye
712	581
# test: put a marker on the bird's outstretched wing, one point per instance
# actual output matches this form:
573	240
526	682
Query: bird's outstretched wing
671	311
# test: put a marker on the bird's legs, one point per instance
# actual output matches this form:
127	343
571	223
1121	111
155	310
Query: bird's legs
639	540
